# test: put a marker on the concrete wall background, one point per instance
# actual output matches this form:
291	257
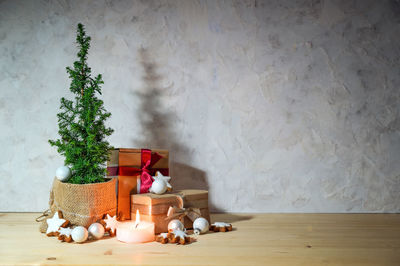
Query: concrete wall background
274	106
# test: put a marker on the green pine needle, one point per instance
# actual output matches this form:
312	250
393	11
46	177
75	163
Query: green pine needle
81	122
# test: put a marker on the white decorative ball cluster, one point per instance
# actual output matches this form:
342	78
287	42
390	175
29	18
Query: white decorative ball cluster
96	230
79	234
63	173
175	225
200	226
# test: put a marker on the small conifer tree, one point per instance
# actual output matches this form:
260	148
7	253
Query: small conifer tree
81	122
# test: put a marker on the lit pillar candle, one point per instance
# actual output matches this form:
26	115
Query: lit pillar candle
135	232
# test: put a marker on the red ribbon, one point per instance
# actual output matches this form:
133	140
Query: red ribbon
146	171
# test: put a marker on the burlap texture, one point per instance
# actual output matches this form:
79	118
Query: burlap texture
82	204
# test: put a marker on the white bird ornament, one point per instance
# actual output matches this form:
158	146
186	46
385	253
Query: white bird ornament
160	184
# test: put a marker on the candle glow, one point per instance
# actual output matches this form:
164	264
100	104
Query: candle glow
135	232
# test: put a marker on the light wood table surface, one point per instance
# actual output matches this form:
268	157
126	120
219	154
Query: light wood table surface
257	239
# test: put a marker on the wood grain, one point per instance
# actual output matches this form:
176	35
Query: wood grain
257	239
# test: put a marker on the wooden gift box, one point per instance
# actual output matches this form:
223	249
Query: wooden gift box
154	208
127	165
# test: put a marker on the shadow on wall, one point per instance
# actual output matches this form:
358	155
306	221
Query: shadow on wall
157	124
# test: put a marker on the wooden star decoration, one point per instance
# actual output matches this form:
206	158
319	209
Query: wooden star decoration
221	227
110	224
65	234
179	233
54	223
180	237
163	238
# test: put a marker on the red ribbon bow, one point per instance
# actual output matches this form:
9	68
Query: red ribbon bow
146	171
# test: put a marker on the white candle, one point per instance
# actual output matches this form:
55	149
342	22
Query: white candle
135	232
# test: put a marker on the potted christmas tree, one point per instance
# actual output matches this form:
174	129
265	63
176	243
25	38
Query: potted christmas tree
86	196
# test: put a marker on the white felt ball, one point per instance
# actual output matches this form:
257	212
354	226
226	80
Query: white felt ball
63	173
96	230
79	234
200	225
175	225
159	187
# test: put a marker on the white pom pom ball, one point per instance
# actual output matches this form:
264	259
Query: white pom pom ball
175	225
63	173
79	234
200	226
96	230
159	187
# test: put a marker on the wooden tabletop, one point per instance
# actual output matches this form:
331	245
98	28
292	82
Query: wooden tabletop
257	239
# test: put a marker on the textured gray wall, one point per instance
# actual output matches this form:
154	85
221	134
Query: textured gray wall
275	106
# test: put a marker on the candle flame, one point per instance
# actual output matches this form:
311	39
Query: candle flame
137	217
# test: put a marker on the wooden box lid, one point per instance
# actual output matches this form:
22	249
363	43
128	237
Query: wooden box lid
154	199
193	194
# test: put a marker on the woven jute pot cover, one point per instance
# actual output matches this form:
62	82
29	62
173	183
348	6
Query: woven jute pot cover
82	204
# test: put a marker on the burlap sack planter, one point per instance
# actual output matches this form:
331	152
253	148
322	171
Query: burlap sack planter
82	204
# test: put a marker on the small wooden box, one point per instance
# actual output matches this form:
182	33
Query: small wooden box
154	208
